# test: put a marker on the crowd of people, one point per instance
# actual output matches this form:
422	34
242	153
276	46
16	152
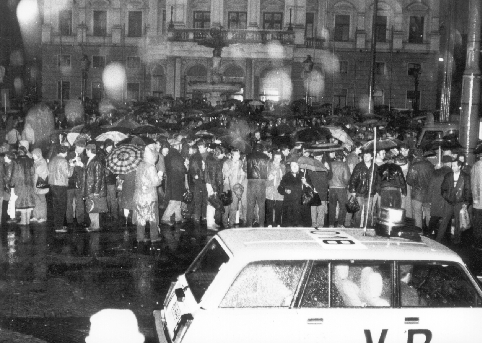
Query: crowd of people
203	181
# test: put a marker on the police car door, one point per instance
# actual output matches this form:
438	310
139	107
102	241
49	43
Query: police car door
439	302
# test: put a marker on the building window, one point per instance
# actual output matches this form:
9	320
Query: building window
343	67
415	34
133	90
381	28
65	22
380	68
202	19
342	28
97	90
272	20
310	25
340	98
100	23
237	20
378	97
98	61
413	68
135	24
63	90
412	99
133	62
64	61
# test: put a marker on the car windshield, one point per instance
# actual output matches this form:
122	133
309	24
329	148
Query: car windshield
202	273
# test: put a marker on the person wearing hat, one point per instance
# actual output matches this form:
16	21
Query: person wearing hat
95	187
419	176
457	191
59	173
438	205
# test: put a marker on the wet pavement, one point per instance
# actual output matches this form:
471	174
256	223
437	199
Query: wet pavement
51	283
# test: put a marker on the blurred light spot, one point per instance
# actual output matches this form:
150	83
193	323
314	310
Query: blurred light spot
114	78
275	50
16	58
440	59
329	61
27	13
278	84
315	83
363	103
18	85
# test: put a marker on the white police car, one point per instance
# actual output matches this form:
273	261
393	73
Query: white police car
321	285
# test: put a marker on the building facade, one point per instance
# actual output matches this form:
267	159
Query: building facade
164	46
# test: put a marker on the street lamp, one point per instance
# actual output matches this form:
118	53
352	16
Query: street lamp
307	69
84	67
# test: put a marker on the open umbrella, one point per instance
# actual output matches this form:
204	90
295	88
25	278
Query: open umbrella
340	134
381	144
124	159
256	103
136	140
325	147
311	164
308	135
115	136
77	129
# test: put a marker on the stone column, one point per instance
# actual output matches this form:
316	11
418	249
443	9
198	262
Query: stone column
217	12
177	89
254	14
171	76
469	119
153	17
248	80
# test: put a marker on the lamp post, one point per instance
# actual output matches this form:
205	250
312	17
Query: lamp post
84	67
307	69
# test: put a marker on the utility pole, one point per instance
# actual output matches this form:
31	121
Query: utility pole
469	119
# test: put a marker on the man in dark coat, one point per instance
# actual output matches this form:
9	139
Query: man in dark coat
94	184
392	184
197	182
175	181
456	190
438	205
291	186
214	177
359	186
419	176
257	175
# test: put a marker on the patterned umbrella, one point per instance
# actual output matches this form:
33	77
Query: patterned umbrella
124	159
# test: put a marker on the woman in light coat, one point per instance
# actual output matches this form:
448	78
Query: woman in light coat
41	171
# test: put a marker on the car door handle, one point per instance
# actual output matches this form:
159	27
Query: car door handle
411	320
315	320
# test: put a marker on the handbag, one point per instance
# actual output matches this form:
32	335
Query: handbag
226	197
187	196
352	205
310	198
42	183
464	218
96	204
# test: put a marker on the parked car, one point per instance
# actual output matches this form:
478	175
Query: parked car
321	285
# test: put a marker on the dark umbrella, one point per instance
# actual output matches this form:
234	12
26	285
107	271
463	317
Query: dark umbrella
311	164
136	140
309	135
381	144
124	159
149	129
107	128
325	147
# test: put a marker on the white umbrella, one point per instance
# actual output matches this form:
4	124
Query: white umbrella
116	136
72	136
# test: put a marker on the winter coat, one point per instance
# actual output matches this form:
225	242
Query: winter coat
233	175
213	174
438	205
320	181
196	172
257	165
419	176
22	181
147	179
339	175
391	175
272	185
41	170
128	189
94	178
175	175
360	179
293	183
59	171
461	193
476	183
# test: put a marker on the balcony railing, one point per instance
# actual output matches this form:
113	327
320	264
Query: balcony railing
313	42
232	36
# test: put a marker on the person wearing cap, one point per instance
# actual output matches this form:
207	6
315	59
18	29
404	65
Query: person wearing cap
359	186
41	171
457	191
438	205
94	182
419	176
175	181
59	173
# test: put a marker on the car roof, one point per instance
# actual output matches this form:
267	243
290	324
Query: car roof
333	244
441	126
